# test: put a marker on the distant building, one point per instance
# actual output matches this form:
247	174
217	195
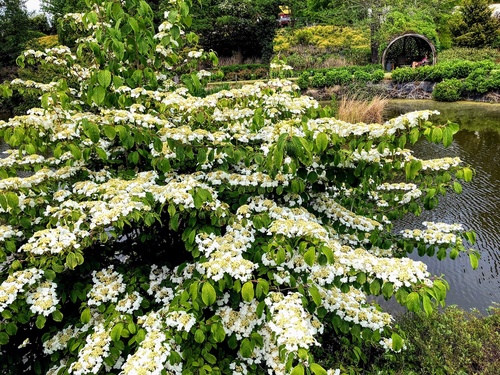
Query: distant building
285	16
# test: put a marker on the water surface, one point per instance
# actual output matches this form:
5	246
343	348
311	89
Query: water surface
477	208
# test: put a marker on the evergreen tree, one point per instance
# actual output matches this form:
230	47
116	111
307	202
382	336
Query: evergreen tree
476	27
14	30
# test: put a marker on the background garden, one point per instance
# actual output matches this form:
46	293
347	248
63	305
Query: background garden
159	215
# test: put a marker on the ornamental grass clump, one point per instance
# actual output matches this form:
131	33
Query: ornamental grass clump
160	232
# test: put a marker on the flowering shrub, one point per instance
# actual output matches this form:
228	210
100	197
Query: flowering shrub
154	231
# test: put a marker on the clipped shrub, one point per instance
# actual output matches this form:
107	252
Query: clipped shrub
318	80
477	82
448	90
377	76
362	76
303	80
404	75
340	77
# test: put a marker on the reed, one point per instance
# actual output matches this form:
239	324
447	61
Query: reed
353	109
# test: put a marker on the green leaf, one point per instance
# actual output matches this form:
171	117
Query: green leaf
467	174
447	137
4	338
57	316
387	289
98	95
71	261
426	301
109	131
199	336
474	260
397	342
91	130
40	321
85	316
457	187
116	332
265	285
413	302
11	329
375	287
316	296
328	253
12	199
361	278
133	24
321	142
317	369
246	348
310	256
208	294
247	291
298	370
104	78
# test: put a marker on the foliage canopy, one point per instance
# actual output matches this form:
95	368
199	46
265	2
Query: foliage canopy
156	231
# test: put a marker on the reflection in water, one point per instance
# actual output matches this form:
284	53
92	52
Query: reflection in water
478	208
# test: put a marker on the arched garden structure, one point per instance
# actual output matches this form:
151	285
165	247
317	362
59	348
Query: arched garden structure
405	49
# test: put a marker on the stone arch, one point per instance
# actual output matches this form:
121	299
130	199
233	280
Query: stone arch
405	49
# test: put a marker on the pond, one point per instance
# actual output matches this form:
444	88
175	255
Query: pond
477	208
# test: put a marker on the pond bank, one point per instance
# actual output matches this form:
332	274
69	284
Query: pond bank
388	89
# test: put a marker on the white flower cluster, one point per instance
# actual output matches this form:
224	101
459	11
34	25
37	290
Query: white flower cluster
91	356
241	322
435	234
298	228
108	285
15	284
225	253
151	357
54	241
180	320
399	271
441	164
59	340
238	368
412	193
44	299
387	344
6	232
323	203
293	326
130	303
162	294
373	131
15	183
352	307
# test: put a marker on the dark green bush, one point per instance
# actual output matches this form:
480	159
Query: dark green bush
318	80
461	69
362	76
404	75
448	90
377	76
303	81
338	77
450	342
477	82
495	80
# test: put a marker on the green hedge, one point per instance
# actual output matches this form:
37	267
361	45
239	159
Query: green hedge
441	71
340	76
